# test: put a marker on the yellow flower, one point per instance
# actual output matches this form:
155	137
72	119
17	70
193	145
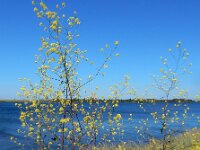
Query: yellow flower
116	106
174	79
54	25
76	21
105	66
61	109
86	119
114	133
35	9
44	67
60	130
51	14
48	13
54	50
34	104
31	129
23	88
70	24
163	116
43	5
117	117
64	120
37	110
78	129
116	43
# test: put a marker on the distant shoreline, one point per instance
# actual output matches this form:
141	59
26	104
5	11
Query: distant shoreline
121	100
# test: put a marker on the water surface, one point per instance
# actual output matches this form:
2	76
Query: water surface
9	122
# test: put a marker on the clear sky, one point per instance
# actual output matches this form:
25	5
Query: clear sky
145	29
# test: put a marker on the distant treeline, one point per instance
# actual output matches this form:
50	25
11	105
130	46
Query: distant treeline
119	100
156	100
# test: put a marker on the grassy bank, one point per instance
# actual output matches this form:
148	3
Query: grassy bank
186	141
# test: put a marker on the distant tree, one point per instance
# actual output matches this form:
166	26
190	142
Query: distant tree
171	71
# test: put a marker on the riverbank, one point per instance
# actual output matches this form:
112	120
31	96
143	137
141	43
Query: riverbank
187	141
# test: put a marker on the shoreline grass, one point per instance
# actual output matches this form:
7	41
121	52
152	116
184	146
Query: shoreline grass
189	140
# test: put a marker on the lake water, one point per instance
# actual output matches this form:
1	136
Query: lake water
9	122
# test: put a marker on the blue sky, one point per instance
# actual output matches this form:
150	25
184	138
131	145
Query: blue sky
145	29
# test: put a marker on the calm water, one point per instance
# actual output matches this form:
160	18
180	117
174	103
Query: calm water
9	122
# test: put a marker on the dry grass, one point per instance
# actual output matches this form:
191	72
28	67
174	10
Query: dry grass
186	141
